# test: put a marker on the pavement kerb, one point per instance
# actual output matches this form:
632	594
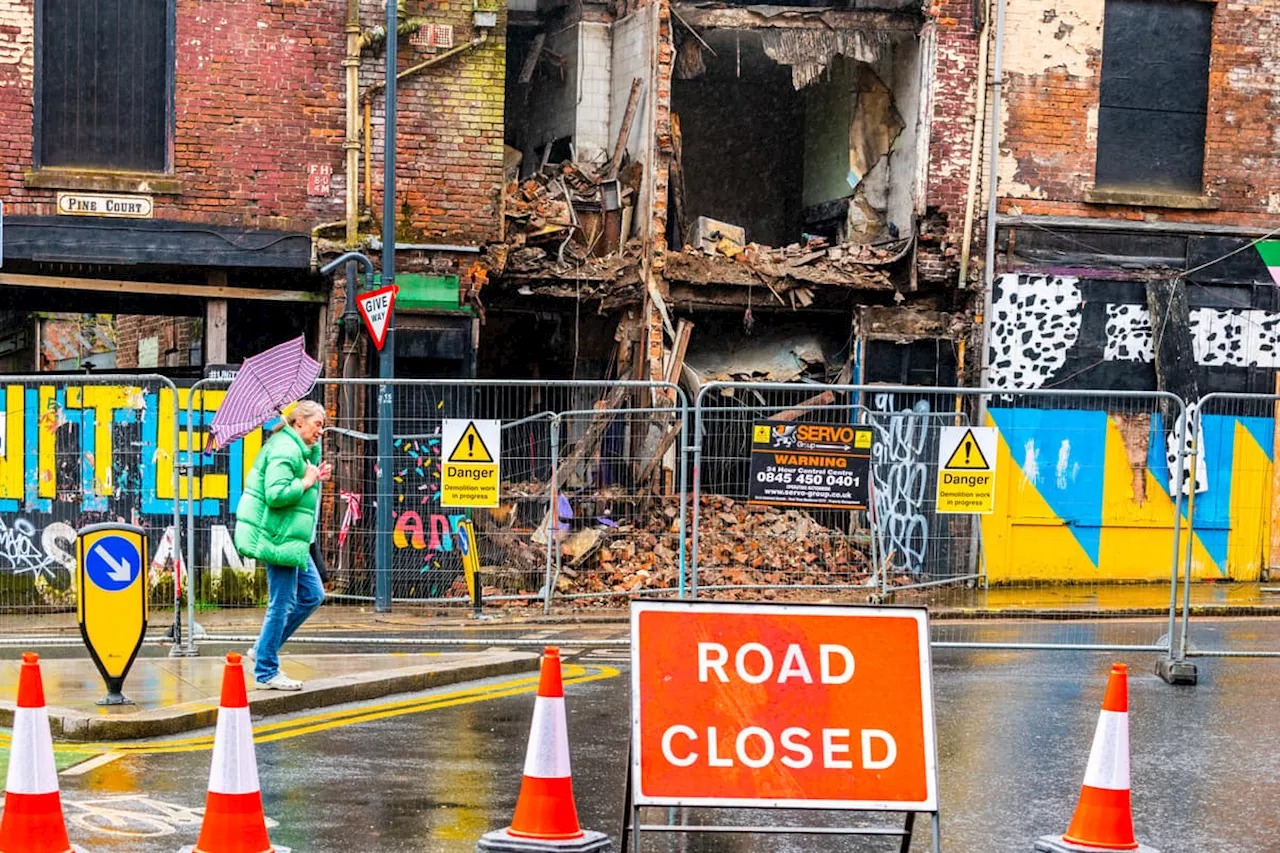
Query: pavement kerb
73	725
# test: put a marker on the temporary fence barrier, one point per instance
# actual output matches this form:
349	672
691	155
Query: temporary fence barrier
1235	538
74	451
1058	551
587	468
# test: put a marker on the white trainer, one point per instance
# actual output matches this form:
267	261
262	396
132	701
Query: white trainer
279	681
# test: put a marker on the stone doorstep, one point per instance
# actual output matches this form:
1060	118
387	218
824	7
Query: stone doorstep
73	725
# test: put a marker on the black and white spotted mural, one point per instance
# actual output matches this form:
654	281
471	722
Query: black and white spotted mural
1066	332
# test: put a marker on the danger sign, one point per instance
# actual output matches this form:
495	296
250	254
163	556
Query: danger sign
967	470
786	706
470	473
375	306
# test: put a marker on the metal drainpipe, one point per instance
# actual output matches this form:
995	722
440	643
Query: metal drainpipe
989	274
975	154
352	141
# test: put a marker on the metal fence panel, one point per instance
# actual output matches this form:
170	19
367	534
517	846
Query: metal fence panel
1232	519
74	451
1085	518
606	455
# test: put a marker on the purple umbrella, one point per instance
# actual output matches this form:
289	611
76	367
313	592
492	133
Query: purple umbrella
264	385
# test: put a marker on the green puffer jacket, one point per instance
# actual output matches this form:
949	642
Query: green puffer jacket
276	517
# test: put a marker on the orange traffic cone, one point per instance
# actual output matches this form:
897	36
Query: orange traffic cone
33	821
546	816
1104	819
233	818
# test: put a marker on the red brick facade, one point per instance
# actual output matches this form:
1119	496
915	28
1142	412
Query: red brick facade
954	98
1049	138
259	99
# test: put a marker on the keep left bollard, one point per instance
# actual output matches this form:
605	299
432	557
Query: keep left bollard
233	817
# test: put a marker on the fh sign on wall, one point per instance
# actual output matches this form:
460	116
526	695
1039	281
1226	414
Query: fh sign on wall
789	706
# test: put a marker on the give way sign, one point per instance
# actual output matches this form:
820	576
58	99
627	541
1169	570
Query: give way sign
375	306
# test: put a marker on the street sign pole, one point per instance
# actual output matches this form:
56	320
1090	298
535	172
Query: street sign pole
387	356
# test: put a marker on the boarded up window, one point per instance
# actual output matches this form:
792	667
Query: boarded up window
1155	93
104	83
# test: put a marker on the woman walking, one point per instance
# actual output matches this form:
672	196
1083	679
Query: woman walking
276	523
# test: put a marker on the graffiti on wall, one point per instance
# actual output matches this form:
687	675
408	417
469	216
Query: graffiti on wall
900	483
78	455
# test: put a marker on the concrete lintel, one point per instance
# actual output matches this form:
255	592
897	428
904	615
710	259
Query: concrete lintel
1151	198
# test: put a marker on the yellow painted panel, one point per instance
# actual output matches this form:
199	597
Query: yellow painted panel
104	400
13	468
1025	552
46	441
1250	507
165	449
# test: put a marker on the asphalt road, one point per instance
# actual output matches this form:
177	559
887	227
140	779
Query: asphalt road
434	771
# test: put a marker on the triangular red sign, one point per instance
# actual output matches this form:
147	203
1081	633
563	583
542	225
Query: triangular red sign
375	307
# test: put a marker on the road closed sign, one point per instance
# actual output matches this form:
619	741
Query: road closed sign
786	706
967	470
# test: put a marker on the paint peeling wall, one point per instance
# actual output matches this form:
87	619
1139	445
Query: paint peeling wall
1048	140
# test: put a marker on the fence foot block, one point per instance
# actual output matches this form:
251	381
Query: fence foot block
1177	671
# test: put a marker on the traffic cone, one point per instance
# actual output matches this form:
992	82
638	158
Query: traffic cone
233	818
33	821
546	816
1104	819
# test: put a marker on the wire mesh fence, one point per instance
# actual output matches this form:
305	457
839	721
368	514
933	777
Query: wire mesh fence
76	451
1235	539
590	498
611	490
1080	529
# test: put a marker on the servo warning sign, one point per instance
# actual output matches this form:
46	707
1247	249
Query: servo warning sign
810	465
967	470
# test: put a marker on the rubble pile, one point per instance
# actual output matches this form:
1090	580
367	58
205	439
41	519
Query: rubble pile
740	545
569	211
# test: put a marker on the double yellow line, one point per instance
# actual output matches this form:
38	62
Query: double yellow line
268	732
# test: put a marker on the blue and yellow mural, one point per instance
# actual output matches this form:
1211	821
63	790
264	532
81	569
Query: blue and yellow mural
1085	496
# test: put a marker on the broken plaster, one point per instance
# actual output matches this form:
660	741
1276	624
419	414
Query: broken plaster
1046	34
809	52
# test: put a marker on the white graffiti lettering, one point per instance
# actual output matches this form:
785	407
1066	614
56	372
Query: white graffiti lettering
18	550
900	481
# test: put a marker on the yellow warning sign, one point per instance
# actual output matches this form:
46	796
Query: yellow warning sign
470	475
471	447
112	605
968	455
966	473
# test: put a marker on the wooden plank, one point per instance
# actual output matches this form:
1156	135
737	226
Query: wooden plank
215	327
155	288
531	61
633	101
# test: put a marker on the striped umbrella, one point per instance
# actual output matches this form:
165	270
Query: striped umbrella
264	385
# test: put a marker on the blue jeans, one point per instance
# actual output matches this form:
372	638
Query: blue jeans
292	595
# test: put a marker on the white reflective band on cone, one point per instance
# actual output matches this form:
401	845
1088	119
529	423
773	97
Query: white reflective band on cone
548	756
1109	758
31	774
234	770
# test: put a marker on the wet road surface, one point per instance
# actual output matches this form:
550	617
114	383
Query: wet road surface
1014	731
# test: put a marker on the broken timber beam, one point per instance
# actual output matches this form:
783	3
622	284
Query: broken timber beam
629	117
826	398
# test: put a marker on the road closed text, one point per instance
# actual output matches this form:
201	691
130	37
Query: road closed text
782	704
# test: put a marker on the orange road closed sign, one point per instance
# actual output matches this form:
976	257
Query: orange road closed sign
785	706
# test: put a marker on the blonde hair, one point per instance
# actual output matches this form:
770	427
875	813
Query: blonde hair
304	410
299	411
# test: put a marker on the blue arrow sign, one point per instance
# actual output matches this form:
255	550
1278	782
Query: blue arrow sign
464	542
113	563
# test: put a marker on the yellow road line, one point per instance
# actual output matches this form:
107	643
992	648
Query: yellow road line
282	730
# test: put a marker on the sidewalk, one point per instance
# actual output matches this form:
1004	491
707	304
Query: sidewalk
181	694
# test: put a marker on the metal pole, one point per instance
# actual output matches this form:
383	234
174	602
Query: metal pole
993	173
553	511
386	358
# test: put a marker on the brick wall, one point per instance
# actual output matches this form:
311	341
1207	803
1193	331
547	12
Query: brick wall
173	339
1053	61
954	98
259	98
449	131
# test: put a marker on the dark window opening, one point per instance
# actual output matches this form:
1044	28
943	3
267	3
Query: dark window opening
931	361
1155	94
104	84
